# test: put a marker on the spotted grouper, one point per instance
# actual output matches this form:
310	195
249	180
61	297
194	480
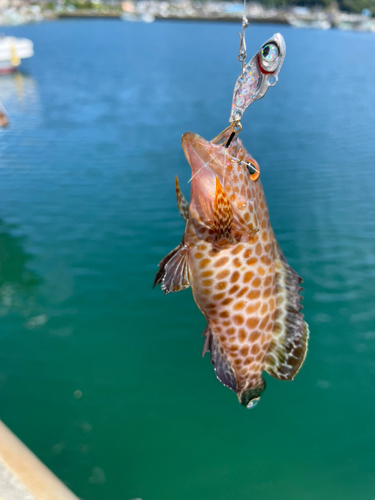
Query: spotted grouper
239	276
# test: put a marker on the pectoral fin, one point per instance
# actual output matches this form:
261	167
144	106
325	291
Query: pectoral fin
222	365
173	271
223	214
290	336
182	204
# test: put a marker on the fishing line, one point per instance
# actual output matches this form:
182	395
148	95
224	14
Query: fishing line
203	166
236	126
232	159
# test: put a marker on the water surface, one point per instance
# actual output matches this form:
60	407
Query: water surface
101	376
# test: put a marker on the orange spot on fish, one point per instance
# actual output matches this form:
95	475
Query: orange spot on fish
264	322
248	276
258	249
238	319
256	282
239	305
255	349
247	253
268	281
252	308
244	350
242	292
254	336
237	249
236	262
261	271
252	322
227	301
267	293
204	263
235	276
234	289
218	296
222	285
242	335
223	274
221	262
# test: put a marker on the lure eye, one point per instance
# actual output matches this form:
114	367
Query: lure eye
253	169
270	58
270	52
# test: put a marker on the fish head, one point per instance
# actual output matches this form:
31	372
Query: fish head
237	173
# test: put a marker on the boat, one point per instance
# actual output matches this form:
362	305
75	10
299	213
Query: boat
12	51
144	17
364	24
319	24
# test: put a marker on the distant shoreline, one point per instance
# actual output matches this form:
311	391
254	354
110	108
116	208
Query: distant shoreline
151	10
271	20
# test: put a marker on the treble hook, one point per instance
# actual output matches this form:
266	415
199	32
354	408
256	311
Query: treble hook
242	50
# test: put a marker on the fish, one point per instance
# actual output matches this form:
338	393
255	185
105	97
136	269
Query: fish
238	274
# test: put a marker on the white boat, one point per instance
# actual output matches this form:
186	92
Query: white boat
319	24
12	51
133	17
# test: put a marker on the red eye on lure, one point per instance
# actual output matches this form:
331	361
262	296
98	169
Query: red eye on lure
229	255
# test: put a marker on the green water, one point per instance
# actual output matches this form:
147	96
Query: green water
87	209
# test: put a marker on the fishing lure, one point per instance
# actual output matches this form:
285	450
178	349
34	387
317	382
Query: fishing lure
229	255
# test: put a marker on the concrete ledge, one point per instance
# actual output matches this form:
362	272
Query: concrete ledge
22	474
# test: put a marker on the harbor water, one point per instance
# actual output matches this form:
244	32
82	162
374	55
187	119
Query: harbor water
101	376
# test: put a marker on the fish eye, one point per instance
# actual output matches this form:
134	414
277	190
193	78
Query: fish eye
253	168
270	52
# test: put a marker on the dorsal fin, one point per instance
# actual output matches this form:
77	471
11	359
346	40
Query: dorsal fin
182	204
290	336
173	271
222	365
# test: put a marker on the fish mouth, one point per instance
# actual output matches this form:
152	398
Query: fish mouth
203	154
190	142
206	162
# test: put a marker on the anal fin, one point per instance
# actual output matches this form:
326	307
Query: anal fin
290	336
222	365
173	273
